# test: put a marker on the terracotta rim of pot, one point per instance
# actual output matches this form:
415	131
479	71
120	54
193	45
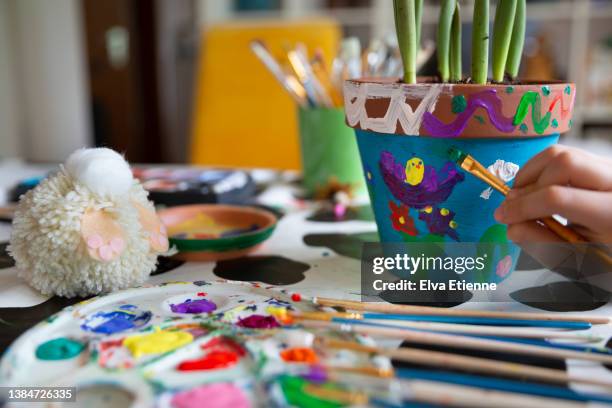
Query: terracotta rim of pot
530	109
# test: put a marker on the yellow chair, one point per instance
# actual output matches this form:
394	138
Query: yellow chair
243	117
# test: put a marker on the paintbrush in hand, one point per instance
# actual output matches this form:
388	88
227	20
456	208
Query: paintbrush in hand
472	166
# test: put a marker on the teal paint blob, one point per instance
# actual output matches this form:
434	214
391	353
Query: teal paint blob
568	90
459	104
523	128
479	119
509	89
570	123
555	123
546	90
61	348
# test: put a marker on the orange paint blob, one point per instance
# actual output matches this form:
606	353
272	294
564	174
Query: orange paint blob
299	355
211	361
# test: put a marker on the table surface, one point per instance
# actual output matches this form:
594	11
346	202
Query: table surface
312	257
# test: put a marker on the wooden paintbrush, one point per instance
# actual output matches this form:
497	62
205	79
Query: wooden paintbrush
459	362
451	328
464	342
472	166
436	311
443	394
484	321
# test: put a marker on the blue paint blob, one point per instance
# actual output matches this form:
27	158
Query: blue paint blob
523	128
568	90
555	123
115	321
546	90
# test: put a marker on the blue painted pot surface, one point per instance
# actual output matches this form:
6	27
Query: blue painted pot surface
419	195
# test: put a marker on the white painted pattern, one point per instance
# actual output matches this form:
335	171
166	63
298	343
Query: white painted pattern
356	95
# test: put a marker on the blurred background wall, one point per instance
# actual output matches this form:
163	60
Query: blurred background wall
122	73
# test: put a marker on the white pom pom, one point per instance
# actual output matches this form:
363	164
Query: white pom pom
101	170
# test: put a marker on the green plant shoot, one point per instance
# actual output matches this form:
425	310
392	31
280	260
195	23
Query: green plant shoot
518	40
480	42
444	31
502	34
455	47
405	27
418	17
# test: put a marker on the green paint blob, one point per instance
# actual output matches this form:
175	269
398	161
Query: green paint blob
546	90
533	99
458	103
509	89
554	123
568	90
523	128
479	119
293	389
59	349
570	123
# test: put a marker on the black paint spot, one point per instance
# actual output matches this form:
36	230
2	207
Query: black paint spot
609	345
499	356
349	245
166	264
563	297
274	270
434	298
326	214
6	261
16	320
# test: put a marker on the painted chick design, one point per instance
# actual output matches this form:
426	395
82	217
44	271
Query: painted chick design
418	185
415	170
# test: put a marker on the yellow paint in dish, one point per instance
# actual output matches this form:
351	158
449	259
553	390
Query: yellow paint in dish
158	342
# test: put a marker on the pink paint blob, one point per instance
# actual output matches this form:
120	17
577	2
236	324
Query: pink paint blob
258	322
503	266
219	395
194	306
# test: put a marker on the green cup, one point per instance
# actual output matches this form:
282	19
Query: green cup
329	150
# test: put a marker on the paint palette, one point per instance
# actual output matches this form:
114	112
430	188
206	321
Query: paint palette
177	345
214	232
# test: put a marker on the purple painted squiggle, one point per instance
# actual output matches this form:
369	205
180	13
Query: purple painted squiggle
487	99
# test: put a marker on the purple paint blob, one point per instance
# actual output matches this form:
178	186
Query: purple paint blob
258	322
194	306
316	374
487	100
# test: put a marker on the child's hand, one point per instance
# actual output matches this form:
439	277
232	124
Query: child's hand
561	180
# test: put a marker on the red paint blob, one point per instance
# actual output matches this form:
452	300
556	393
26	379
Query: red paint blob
211	361
296	297
201	293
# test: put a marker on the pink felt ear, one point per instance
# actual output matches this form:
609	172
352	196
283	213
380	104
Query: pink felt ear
103	236
153	228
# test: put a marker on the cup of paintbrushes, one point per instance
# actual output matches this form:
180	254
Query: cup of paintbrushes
330	158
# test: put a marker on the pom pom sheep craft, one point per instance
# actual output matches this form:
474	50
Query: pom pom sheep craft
87	229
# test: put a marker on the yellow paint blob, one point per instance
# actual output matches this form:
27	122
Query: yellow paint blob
158	342
401	220
428	209
444	211
452	224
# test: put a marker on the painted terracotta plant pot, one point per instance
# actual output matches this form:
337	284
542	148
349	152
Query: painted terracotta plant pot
404	133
